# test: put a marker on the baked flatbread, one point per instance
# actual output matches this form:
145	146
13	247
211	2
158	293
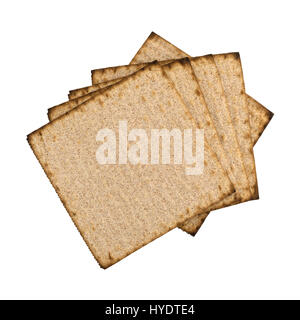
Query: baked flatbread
120	208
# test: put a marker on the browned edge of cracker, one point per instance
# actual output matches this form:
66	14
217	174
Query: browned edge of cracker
269	115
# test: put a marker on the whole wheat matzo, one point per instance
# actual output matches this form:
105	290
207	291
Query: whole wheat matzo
120	208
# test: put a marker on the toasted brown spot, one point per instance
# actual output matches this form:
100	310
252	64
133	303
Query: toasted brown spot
164	74
219	187
208	123
242	91
198	93
183	61
143	99
207	57
205	162
199	209
137	86
152	35
236	55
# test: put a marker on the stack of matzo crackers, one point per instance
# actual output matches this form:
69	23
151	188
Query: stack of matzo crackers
118	208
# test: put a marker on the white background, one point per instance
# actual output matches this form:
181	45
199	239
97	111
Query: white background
246	251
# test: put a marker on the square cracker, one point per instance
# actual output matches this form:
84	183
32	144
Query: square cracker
120	208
